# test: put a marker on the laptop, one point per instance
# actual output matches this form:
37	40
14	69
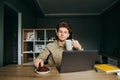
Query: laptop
73	61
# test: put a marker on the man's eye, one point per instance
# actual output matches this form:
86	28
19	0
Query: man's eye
60	32
65	32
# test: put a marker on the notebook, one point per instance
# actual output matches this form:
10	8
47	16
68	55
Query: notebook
108	68
73	61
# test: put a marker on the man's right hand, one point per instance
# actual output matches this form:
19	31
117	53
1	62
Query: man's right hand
37	62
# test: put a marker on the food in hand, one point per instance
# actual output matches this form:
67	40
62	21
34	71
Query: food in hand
42	69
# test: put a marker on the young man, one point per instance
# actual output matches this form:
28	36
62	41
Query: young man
53	51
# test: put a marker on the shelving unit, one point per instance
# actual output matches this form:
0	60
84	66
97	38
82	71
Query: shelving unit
33	42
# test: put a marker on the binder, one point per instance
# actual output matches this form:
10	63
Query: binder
107	68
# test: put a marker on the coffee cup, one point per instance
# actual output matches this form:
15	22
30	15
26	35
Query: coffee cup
68	44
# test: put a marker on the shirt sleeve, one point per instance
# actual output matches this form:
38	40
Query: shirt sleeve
44	53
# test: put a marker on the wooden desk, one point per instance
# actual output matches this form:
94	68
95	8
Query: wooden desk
26	72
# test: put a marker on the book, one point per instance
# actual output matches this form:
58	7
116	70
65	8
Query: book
107	68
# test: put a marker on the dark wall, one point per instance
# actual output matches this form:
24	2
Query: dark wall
10	31
111	28
28	18
1	32
87	29
10	35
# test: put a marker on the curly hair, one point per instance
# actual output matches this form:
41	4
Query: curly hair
65	25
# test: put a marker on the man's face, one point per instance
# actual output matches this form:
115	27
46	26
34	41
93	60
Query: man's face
63	34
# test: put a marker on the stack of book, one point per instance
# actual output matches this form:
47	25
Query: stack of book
107	68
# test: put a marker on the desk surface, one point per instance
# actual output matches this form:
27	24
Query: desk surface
26	72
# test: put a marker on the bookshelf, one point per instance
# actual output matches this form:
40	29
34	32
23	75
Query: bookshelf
34	40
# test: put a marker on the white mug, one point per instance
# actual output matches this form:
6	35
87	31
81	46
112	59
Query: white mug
68	44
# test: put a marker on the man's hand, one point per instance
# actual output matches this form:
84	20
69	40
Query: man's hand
38	62
77	45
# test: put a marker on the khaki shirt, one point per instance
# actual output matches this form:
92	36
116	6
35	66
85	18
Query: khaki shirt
53	52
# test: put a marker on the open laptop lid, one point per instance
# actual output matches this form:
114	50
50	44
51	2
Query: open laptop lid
77	61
